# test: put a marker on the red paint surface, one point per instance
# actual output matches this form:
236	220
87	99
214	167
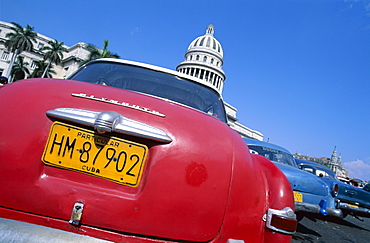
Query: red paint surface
203	186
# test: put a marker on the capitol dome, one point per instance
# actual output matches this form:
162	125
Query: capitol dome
204	60
207	42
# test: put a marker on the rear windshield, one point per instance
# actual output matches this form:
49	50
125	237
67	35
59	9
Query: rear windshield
154	83
273	154
321	172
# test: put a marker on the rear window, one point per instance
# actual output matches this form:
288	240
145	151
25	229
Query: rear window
273	154
154	83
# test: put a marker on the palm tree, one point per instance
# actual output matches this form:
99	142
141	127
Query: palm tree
54	53
19	69
20	40
40	68
96	53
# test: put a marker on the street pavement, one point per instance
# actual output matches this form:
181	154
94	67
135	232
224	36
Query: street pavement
348	230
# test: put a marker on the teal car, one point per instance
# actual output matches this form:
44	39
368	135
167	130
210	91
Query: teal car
352	200
311	194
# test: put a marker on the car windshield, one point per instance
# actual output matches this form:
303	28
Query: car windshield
273	154
163	85
367	187
321	172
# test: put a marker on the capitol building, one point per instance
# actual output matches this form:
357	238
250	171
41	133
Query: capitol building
203	59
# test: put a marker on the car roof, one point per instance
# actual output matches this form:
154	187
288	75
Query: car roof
311	163
158	69
307	162
256	142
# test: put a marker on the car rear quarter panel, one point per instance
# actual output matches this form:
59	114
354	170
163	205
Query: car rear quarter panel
251	194
352	194
279	193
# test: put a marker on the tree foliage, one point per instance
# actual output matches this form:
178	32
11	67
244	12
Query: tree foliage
54	53
40	69
19	69
96	53
21	39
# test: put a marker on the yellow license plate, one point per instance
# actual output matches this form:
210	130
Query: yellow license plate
352	206
298	197
111	158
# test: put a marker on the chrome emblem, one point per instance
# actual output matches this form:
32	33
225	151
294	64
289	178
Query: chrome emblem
110	121
115	102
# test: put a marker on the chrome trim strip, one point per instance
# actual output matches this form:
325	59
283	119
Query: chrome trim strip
115	102
110	121
365	212
316	209
234	241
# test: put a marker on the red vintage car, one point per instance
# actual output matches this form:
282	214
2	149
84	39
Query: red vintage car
129	152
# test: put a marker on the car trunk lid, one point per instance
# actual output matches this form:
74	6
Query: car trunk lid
303	181
182	190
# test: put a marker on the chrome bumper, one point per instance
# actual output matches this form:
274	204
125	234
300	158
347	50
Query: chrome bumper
357	210
15	231
318	209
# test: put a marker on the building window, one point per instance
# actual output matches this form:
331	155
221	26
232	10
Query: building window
1	72
33	65
212	61
197	58
5	56
204	59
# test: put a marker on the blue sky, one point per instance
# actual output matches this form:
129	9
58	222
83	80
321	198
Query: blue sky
297	70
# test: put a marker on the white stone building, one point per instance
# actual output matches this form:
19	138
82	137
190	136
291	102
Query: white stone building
74	55
335	164
204	60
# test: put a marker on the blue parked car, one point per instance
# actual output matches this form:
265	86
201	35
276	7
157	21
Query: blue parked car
353	200
311	194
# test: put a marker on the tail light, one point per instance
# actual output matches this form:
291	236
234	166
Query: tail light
335	190
283	221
